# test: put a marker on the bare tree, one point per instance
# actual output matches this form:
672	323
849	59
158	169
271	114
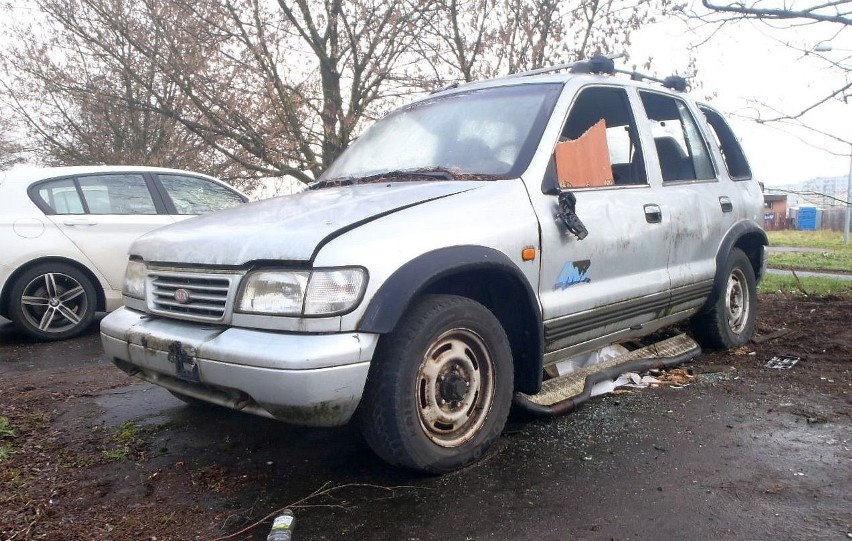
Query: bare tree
10	147
257	88
833	16
836	11
81	92
470	39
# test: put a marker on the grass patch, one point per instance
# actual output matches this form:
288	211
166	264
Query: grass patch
829	240
835	255
813	286
128	436
6	430
6	433
127	432
827	261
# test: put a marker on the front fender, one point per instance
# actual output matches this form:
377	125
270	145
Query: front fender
510	297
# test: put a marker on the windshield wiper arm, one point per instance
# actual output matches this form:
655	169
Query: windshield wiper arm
340	181
436	173
430	173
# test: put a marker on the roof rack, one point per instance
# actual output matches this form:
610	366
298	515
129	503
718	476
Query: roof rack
604	64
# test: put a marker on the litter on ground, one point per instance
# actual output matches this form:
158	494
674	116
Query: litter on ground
782	362
675	378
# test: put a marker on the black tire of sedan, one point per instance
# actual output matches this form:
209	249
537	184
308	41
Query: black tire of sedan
52	301
440	386
730	318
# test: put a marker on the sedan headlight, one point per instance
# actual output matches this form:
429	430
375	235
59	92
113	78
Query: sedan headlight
321	292
134	280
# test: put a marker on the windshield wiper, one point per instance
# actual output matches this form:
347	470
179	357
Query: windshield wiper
331	182
416	174
430	173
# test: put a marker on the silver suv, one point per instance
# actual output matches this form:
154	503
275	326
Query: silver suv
458	251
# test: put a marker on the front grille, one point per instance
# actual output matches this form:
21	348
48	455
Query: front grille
208	295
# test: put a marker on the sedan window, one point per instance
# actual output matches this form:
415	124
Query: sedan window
193	195
61	197
117	194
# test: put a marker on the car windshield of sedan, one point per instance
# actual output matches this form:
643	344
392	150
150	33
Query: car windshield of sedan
483	134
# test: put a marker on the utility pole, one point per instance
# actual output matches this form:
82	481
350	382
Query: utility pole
848	198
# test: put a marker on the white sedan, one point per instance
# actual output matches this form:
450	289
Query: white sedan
65	231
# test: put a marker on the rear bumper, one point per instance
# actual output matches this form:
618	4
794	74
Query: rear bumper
305	379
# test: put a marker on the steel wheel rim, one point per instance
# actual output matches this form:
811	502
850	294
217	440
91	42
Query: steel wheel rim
54	302
737	301
455	387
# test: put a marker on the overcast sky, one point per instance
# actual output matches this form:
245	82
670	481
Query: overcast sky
747	64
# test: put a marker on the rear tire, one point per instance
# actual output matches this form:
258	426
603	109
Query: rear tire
52	301
730	318
440	386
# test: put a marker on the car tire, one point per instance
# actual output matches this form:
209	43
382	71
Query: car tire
729	320
440	386
52	301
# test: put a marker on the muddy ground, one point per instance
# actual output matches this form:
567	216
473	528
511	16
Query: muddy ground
742	452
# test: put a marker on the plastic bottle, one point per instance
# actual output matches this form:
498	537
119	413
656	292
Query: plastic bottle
282	527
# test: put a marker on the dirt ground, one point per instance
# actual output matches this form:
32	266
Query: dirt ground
741	452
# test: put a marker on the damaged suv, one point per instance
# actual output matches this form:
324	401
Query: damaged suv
458	250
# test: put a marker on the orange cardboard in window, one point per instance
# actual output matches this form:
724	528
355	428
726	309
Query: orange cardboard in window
584	162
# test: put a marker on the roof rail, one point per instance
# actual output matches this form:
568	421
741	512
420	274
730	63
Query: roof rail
598	64
604	64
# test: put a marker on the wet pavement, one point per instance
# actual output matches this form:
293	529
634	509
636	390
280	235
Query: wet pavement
732	456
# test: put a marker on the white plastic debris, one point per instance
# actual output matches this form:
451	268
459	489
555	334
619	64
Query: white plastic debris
630	380
586	359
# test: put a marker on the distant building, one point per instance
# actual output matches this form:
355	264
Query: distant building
775	212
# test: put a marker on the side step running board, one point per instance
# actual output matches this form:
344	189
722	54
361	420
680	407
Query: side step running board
566	393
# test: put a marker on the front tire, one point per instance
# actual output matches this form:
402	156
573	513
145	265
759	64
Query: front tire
729	321
53	301
440	386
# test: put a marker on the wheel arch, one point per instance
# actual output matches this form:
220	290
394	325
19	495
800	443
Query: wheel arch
482	274
751	239
7	287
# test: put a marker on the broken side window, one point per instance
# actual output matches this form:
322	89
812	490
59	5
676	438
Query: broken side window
599	145
681	150
729	146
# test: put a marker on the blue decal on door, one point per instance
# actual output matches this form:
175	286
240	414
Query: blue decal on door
574	272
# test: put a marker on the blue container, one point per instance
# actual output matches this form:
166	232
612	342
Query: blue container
808	218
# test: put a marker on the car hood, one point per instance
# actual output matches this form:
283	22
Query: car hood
289	228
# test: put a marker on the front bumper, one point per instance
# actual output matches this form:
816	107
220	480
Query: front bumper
305	379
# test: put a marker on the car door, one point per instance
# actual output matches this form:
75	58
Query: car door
102	214
616	277
703	206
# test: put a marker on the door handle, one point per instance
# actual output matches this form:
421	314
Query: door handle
653	214
726	204
79	221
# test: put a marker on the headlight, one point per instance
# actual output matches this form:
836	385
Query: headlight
134	280
280	293
321	292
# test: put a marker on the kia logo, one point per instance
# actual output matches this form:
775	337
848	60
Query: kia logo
182	296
